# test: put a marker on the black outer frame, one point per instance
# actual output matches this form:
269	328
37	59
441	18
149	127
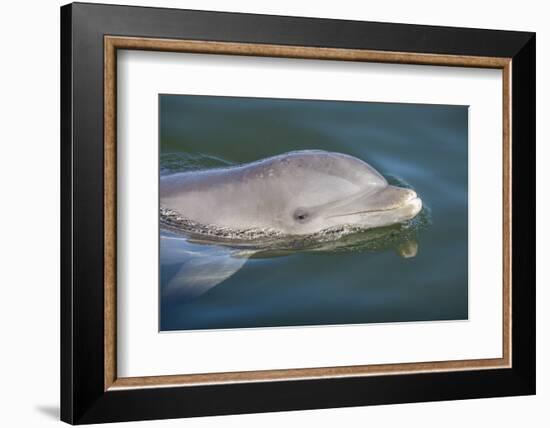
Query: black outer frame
83	399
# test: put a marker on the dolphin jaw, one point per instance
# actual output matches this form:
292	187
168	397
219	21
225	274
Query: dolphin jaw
397	213
412	200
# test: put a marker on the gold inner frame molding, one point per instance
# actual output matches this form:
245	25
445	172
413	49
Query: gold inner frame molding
113	43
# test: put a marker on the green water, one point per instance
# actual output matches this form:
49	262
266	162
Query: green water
369	277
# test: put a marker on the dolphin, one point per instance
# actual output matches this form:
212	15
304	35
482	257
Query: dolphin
295	193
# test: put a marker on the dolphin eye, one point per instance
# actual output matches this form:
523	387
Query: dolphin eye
301	215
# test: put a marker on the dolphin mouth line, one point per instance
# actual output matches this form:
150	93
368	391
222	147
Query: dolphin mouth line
416	198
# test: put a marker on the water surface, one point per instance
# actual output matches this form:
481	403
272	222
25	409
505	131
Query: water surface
411	272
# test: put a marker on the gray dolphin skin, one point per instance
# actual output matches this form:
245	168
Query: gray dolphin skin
295	193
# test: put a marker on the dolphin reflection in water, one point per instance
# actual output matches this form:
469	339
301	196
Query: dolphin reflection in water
213	221
198	265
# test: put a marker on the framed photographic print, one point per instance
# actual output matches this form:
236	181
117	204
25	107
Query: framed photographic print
264	213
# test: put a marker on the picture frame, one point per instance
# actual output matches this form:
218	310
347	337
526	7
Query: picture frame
91	36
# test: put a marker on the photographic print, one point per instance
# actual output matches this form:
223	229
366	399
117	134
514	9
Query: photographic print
290	212
316	212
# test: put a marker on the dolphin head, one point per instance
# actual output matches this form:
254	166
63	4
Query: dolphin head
326	190
377	206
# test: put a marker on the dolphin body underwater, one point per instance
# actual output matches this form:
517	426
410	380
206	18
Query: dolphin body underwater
296	193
